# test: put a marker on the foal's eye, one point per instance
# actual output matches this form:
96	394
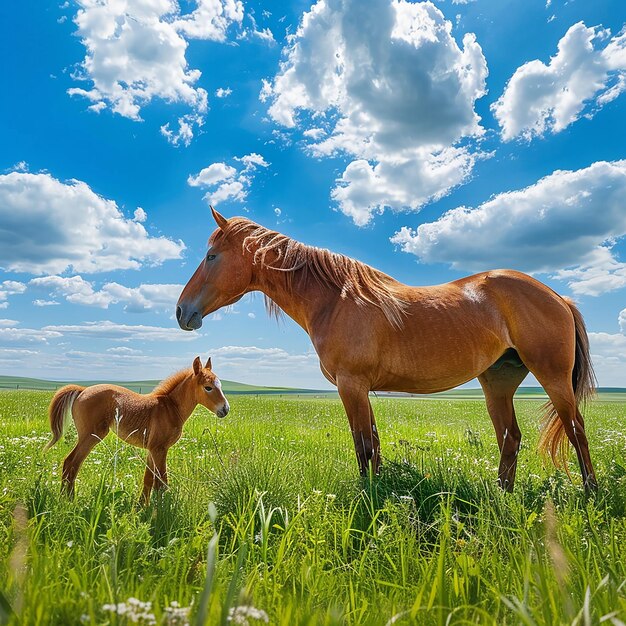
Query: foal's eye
210	257
208	389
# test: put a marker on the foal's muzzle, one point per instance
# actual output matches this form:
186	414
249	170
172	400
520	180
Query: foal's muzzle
223	410
188	317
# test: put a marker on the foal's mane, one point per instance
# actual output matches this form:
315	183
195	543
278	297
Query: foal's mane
355	280
165	387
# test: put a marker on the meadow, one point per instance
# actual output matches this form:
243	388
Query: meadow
266	521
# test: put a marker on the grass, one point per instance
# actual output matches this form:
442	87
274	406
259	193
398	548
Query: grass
267	522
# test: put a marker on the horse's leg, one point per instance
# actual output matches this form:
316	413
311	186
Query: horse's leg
564	402
553	369
499	386
73	461
354	396
376	459
148	480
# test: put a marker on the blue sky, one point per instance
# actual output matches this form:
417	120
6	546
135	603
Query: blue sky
430	140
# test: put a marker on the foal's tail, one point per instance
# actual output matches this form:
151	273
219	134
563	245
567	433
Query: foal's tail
60	411
553	440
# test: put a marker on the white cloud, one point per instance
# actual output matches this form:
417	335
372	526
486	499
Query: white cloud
40	302
140	215
223	92
136	52
228	182
385	82
145	297
566	222
47	226
14	335
9	288
185	132
123	350
608	352
588	70
5	322
215	173
121	332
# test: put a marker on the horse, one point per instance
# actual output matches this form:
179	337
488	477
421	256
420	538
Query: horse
373	333
152	421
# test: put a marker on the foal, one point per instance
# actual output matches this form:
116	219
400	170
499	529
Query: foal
153	421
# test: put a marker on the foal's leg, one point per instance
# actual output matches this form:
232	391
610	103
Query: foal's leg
499	386
148	481
354	396
73	461
159	458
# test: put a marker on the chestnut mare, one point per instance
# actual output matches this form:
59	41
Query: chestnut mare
153	421
372	333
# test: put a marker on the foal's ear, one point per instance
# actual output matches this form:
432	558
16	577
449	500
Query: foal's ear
197	365
208	364
220	220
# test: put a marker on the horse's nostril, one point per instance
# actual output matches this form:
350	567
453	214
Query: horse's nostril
179	313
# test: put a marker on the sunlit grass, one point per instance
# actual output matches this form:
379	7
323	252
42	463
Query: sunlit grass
266	513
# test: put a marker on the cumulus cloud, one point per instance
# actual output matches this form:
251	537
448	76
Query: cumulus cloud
567	222
9	288
383	82
223	92
77	290
588	70
228	182
121	332
136	52
47	226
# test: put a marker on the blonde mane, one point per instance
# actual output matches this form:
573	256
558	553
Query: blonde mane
165	387
355	280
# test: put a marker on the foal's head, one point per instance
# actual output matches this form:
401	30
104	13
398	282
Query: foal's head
208	388
221	279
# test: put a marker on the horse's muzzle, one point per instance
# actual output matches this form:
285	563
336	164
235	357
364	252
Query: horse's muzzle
223	410
188	318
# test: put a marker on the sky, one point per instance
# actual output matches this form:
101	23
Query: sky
431	140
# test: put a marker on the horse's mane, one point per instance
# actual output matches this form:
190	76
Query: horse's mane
165	387
355	280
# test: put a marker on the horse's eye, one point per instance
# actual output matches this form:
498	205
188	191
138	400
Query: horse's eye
208	389
210	257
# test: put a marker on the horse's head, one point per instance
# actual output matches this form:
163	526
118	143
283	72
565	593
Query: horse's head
222	278
208	388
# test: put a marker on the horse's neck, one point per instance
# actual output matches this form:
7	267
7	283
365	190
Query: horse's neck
301	300
182	399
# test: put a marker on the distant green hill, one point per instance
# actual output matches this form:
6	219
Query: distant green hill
141	386
234	388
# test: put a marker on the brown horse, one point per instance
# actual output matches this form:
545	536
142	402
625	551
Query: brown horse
373	333
152	421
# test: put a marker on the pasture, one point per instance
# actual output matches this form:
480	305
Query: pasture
266	521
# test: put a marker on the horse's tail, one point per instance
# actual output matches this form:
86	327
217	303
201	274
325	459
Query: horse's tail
60	411
553	441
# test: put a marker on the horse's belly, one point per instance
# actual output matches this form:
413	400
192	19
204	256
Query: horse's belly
431	367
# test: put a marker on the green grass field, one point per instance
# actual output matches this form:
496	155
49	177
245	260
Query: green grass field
265	512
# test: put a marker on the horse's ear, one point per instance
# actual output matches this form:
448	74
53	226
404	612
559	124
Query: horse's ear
220	220
197	365
208	364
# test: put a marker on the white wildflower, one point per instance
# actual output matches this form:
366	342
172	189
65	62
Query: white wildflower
241	614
